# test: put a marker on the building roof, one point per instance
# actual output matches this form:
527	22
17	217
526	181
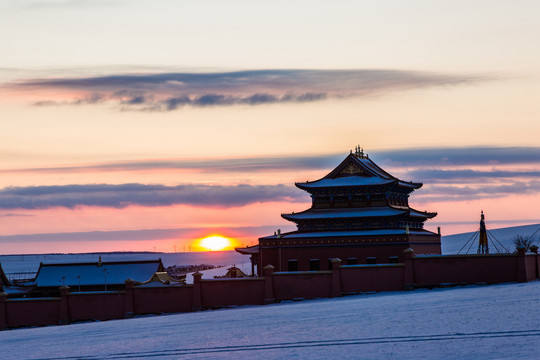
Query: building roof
232	273
250	250
345	233
385	211
161	278
345	213
344	182
357	170
97	273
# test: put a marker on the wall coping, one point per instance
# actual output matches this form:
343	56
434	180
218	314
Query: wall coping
465	256
33	299
137	287
372	265
234	279
80	293
323	272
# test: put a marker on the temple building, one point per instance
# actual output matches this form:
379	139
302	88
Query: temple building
359	214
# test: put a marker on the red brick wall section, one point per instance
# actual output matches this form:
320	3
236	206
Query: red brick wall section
96	306
362	278
537	266
530	267
306	285
35	312
157	300
219	292
467	269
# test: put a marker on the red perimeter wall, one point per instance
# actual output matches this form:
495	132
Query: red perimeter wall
420	271
158	300
95	306
435	270
35	312
305	285
221	292
362	278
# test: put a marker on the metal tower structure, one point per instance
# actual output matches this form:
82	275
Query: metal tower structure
484	237
483	246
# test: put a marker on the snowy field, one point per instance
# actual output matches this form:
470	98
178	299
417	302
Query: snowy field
475	322
451	244
30	263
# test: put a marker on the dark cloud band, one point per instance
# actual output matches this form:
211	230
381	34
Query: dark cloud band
456	192
133	235
424	163
121	196
252	164
170	91
460	156
468	175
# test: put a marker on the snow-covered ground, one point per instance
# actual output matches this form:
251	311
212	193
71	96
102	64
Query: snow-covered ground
475	322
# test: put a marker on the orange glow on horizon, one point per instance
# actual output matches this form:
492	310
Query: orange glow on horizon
214	243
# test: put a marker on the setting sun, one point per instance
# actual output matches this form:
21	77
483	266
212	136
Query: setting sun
216	243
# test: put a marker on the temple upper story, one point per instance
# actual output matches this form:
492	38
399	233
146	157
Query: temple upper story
358	194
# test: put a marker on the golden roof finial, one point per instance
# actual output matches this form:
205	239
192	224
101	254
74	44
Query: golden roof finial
359	152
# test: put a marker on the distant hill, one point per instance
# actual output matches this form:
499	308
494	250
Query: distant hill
451	244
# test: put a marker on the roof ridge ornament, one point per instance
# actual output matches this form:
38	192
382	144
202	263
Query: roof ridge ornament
359	152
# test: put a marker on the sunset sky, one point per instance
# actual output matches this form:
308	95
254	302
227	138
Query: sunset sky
146	125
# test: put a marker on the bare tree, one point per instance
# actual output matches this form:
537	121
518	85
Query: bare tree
520	240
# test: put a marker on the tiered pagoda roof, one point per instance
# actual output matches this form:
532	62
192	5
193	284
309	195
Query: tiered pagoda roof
357	197
357	170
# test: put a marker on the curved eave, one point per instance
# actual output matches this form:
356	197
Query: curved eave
425	214
316	185
275	236
414	212
369	164
307	215
334	183
250	250
288	217
411	185
345	234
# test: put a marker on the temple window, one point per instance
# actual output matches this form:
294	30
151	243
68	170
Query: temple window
292	265
371	260
314	265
